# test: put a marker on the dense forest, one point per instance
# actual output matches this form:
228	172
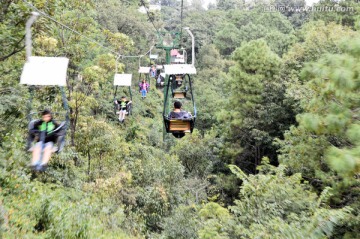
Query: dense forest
276	148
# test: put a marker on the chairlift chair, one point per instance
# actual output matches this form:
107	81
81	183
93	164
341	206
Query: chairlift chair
123	80
179	127
44	71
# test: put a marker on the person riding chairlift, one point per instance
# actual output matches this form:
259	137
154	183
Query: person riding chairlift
178	113
159	80
122	106
46	125
153	71
143	88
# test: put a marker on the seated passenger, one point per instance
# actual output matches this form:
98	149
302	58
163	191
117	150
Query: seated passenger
43	128
122	106
144	88
153	71
158	81
177	113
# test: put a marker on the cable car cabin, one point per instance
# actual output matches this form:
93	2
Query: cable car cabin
178	127
180	94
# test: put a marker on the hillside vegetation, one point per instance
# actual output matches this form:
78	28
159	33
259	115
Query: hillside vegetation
276	148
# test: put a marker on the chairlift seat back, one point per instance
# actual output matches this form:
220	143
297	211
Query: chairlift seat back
180	126
179	95
45	71
144	70
179	69
122	79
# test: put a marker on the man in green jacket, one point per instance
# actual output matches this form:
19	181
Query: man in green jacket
46	139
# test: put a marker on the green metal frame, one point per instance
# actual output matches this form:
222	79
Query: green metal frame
175	44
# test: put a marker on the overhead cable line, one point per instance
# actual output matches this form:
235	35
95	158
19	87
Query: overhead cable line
181	17
150	19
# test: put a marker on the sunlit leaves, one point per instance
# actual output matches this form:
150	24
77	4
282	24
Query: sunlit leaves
121	42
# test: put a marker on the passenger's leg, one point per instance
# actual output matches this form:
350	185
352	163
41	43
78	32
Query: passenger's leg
36	154
124	113
47	153
121	115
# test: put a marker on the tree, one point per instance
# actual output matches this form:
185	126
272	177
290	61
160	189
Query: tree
120	17
294	11
315	39
204	27
13	16
272	204
227	39
345	13
330	115
228	4
325	145
216	220
257	113
182	224
244	26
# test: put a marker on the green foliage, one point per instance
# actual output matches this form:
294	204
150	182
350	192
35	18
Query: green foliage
343	12
297	18
53	212
214	217
2	219
122	18
196	160
255	104
122	181
244	26
183	223
331	116
316	40
227	39
228	4
204	26
324	147
209	82
272	204
12	24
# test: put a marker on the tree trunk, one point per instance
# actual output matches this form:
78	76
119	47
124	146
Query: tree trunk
89	160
